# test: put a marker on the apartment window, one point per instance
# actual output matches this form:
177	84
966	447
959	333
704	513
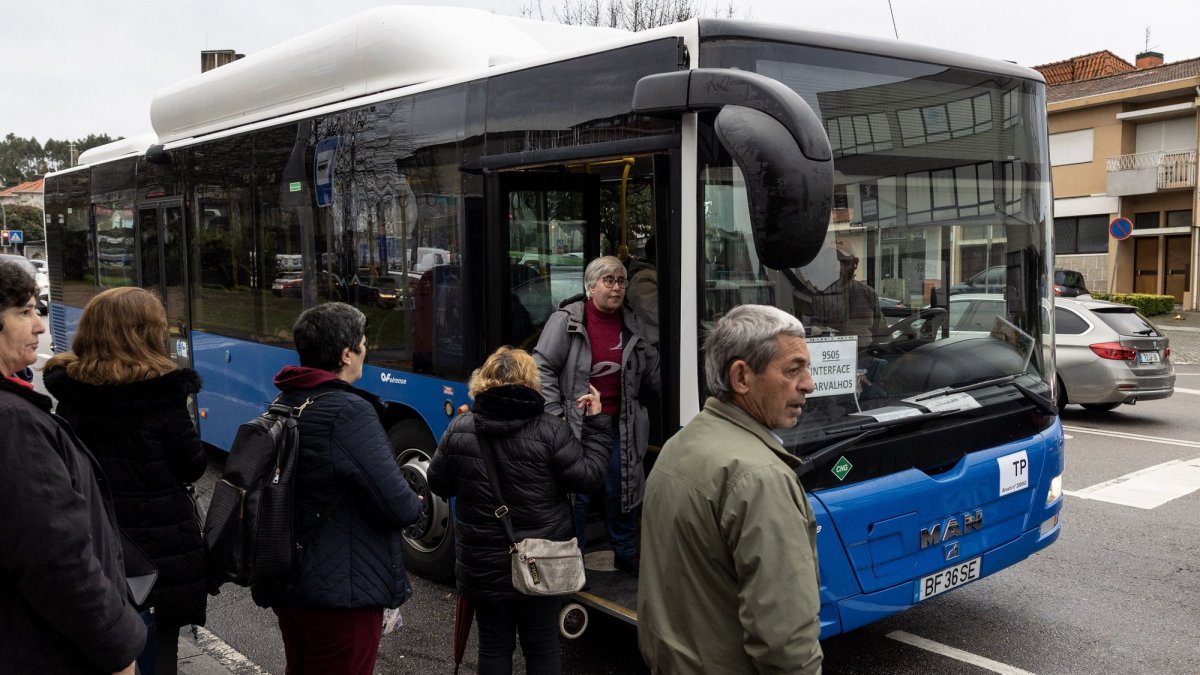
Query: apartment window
1179	218
1072	147
1145	221
1085	234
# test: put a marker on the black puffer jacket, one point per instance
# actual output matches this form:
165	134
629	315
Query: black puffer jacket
144	438
353	557
539	462
64	605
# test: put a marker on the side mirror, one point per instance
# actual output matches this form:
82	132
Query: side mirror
776	140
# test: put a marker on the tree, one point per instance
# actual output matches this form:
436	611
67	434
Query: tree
28	219
22	159
633	15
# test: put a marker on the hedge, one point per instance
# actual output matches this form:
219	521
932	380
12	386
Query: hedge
1147	304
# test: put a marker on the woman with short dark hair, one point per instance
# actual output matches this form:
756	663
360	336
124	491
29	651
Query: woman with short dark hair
64	602
351	506
129	402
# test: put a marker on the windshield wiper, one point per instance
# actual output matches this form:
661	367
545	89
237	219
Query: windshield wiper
1040	402
814	459
946	391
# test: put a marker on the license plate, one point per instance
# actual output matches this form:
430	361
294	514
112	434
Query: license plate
951	577
1149	357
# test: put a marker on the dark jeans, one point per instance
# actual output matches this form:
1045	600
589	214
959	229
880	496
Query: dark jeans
166	649
622	527
320	641
534	620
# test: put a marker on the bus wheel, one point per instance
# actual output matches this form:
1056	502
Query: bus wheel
572	620
428	543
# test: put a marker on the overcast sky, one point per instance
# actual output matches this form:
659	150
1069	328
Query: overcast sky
74	67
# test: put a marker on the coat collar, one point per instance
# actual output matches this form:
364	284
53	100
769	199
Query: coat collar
40	400
735	415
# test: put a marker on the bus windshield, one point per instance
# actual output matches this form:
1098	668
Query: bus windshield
932	275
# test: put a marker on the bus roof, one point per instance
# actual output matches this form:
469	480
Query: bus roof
377	50
369	54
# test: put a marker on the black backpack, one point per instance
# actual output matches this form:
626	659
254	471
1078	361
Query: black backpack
249	529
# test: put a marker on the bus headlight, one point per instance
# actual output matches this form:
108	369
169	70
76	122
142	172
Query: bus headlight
1055	491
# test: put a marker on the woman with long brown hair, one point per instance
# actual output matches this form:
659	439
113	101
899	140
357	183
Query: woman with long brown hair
128	401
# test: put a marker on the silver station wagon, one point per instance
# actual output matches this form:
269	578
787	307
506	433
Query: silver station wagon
1109	354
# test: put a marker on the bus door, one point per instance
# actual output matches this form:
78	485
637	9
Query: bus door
543	229
164	271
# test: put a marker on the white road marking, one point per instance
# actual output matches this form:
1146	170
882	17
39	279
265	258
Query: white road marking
1132	437
957	654
226	655
1186	391
1148	488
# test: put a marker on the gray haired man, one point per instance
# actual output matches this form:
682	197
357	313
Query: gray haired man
729	563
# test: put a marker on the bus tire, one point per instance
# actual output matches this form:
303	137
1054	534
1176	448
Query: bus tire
429	543
572	620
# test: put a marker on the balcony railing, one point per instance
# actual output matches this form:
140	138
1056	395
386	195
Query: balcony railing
1173	169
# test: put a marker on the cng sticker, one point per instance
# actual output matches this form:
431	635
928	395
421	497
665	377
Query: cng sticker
842	468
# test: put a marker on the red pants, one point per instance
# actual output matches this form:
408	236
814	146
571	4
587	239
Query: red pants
321	641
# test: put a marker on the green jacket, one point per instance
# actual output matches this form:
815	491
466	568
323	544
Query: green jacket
729	564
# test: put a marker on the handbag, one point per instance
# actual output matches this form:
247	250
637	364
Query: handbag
140	570
539	566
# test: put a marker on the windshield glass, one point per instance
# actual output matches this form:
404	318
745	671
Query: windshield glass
933	273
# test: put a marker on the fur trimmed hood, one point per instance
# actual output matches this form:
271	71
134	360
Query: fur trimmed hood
146	396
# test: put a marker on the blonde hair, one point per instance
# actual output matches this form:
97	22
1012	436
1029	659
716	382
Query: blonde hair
122	338
506	366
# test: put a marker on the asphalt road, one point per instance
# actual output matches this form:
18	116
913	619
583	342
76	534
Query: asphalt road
1117	593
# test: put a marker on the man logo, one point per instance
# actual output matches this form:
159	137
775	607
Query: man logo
939	532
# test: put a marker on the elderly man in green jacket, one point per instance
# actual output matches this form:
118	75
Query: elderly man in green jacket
729	563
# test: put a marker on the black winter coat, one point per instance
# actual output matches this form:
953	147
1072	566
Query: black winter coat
144	438
539	462
64	603
353	557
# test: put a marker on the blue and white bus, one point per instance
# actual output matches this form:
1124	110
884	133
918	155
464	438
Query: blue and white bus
450	171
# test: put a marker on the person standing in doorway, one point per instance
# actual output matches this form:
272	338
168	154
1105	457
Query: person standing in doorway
598	341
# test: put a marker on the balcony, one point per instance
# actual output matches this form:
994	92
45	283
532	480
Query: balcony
1149	172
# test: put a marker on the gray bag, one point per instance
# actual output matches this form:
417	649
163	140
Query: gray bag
539	566
546	567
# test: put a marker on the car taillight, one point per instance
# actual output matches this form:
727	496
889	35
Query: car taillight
1114	351
1058	290
1166	353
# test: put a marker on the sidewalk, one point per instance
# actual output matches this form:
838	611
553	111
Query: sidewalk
1184	335
203	653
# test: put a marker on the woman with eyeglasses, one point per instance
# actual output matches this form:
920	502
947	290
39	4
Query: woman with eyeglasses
597	340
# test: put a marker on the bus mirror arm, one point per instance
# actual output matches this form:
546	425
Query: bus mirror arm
157	155
777	141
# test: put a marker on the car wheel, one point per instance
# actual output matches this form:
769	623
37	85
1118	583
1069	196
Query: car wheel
1100	407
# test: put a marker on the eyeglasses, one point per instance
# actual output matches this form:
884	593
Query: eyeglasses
611	281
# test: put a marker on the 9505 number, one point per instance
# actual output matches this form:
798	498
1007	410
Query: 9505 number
951	577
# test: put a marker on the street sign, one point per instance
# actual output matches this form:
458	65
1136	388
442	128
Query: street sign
16	237
1120	228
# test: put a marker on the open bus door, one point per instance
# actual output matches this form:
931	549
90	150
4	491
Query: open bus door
164	271
545	228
